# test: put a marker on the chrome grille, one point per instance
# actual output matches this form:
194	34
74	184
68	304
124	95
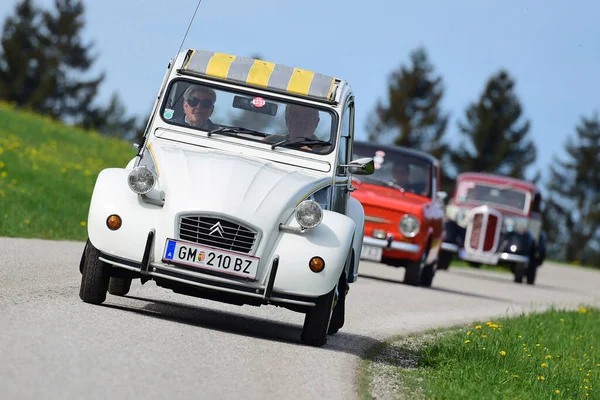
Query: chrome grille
483	230
217	232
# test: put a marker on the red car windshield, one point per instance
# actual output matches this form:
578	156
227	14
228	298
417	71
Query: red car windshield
486	193
397	169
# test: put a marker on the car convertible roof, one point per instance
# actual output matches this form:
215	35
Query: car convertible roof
259	73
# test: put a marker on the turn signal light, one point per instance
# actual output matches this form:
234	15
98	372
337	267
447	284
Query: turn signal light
316	264
113	222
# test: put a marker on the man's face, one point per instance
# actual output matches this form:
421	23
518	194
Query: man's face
199	107
302	121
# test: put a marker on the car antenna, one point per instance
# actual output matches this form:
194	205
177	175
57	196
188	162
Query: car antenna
188	29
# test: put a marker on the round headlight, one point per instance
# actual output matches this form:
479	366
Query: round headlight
141	180
409	225
309	214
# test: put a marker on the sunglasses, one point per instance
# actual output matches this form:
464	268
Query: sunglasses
193	102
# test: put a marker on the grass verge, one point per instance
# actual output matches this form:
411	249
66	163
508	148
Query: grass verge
47	174
552	354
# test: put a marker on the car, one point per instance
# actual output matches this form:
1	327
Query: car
404	209
221	202
495	220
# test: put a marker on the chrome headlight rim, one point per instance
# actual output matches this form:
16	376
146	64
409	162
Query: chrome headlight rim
413	218
145	170
308	204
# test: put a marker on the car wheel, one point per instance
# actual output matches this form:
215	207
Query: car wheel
318	318
413	271
444	260
94	278
119	286
339	307
428	273
519	272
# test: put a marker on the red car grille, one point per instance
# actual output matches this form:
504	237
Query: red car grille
483	233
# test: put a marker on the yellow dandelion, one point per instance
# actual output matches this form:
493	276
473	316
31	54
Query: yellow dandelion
582	310
502	353
468	333
478	327
544	365
506	371
467	341
483	348
2	164
541	378
528	355
3	174
26	221
82	223
537	345
562	320
548	357
484	336
520	336
557	391
515	376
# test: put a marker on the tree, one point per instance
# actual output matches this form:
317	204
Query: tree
42	53
496	140
412	116
575	184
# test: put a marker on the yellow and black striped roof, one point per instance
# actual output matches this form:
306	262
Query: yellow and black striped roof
259	73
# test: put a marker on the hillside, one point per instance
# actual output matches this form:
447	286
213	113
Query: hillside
47	174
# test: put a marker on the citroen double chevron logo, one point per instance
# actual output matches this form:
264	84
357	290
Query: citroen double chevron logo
217	229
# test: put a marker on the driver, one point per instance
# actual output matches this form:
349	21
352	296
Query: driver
301	122
198	106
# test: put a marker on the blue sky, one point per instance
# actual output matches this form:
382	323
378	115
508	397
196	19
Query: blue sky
551	48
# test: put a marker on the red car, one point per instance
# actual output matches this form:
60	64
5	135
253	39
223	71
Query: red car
495	220
404	210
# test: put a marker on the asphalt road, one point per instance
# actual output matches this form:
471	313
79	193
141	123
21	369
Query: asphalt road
155	344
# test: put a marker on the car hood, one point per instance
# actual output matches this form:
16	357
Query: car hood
208	180
386	197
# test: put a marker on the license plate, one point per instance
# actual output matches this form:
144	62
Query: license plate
484	258
210	258
371	253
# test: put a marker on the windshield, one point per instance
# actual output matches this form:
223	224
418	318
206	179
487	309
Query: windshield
251	117
397	169
508	197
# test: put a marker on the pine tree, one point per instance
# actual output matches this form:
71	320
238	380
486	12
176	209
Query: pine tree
41	57
412	118
496	140
575	184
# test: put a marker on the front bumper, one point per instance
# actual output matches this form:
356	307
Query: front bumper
391	244
492	258
261	294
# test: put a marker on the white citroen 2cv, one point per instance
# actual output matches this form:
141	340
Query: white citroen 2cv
239	193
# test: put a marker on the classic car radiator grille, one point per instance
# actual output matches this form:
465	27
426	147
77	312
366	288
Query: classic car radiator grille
483	234
217	232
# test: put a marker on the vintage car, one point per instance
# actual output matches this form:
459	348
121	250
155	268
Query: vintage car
495	220
239	193
404	210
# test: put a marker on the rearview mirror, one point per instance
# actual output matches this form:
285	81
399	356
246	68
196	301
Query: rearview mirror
361	166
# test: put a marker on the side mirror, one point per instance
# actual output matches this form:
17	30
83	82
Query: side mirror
442	196
361	166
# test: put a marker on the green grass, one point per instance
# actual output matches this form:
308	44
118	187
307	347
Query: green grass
546	355
47	174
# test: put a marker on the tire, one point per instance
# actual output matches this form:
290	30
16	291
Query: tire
413	271
94	278
428	273
338	315
519	272
119	286
317	320
444	260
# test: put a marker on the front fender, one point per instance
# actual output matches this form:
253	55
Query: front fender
331	240
356	212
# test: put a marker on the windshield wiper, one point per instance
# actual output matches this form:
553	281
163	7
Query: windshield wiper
300	141
234	130
385	182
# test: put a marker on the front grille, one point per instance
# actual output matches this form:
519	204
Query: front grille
483	230
217	232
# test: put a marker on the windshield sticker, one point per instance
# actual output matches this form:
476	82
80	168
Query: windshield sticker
168	114
258	102
380	153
